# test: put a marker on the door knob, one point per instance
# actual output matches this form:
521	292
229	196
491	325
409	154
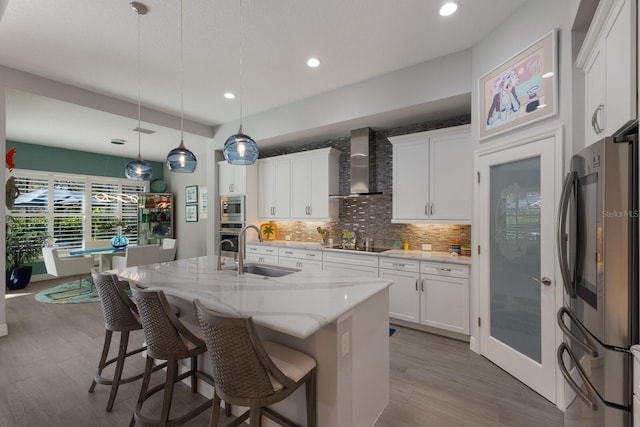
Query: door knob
544	281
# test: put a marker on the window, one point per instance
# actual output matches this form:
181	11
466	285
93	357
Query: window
64	215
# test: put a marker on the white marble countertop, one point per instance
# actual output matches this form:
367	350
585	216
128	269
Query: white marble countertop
298	304
397	253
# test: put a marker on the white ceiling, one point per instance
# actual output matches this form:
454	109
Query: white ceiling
92	44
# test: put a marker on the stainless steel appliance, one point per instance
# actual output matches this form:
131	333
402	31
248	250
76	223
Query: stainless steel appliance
230	231
598	250
232	209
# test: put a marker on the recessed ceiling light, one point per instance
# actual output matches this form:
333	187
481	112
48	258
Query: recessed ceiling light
313	62
449	8
118	141
229	95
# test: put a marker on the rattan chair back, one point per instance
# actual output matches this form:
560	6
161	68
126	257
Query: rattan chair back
120	313
236	353
161	325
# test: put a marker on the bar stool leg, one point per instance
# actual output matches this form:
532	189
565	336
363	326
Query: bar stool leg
172	369
122	354
215	414
103	358
194	379
312	412
148	370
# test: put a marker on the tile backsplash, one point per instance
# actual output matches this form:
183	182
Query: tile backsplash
370	216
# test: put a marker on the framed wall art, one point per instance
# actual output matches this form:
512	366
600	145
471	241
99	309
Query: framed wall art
203	202
191	194
191	213
521	91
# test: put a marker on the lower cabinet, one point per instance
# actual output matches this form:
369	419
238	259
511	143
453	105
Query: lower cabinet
307	259
428	293
261	253
404	294
445	296
342	261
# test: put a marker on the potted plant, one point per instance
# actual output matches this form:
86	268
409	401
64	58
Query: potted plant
23	246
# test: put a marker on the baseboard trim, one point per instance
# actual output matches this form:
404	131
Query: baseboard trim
4	330
429	329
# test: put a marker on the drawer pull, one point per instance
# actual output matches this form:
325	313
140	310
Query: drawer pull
448	270
398	264
288	252
311	254
270	251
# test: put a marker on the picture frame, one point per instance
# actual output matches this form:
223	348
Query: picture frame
203	202
191	194
520	91
191	213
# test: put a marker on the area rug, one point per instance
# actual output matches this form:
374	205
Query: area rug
69	293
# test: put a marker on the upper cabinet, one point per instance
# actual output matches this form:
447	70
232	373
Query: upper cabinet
608	60
314	176
232	179
433	176
297	186
274	188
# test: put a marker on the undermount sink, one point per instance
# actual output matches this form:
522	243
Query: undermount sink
268	270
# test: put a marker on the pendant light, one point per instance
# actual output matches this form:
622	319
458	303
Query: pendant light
240	149
180	159
138	170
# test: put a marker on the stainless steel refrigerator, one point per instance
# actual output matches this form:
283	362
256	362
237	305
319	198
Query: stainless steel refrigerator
598	250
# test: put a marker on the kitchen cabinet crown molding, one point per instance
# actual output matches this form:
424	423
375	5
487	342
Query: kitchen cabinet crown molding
328	150
429	133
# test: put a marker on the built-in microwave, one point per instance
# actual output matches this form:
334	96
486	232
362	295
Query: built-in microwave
232	209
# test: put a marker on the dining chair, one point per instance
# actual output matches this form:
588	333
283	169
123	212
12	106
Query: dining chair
171	339
120	315
136	255
60	265
253	373
168	250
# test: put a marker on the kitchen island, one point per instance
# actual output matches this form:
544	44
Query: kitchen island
341	320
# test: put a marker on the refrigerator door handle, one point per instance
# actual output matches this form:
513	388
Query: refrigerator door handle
581	394
593	352
562	234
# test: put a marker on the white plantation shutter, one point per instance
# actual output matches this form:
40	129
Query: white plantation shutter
65	206
68	213
104	213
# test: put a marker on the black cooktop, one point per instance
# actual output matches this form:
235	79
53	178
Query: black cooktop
375	250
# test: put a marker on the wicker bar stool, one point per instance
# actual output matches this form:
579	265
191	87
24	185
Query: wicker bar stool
120	315
171	339
252	373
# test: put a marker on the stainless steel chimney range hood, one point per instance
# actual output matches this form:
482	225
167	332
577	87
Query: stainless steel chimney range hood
363	165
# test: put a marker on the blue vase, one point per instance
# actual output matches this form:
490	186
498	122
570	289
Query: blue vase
119	242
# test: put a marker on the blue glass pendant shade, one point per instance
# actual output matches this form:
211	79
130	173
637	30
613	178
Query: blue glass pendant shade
138	170
181	160
240	149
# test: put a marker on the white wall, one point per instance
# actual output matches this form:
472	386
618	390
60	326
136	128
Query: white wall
3	146
191	236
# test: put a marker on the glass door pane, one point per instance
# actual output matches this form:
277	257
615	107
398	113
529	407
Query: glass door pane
515	299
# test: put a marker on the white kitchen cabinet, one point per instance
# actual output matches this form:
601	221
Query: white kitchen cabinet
262	254
349	261
433	176
444	300
274	188
307	259
404	294
314	176
232	179
610	69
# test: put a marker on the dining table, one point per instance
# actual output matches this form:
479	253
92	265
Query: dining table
104	255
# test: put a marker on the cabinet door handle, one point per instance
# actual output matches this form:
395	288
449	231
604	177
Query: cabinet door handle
594	120
417	280
422	285
309	209
426	209
430	208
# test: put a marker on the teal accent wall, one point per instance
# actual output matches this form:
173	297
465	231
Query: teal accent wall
52	159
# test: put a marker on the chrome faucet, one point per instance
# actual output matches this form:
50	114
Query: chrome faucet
220	250
241	246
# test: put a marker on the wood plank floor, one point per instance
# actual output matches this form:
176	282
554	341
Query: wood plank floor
49	357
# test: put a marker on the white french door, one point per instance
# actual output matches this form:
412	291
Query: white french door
517	206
